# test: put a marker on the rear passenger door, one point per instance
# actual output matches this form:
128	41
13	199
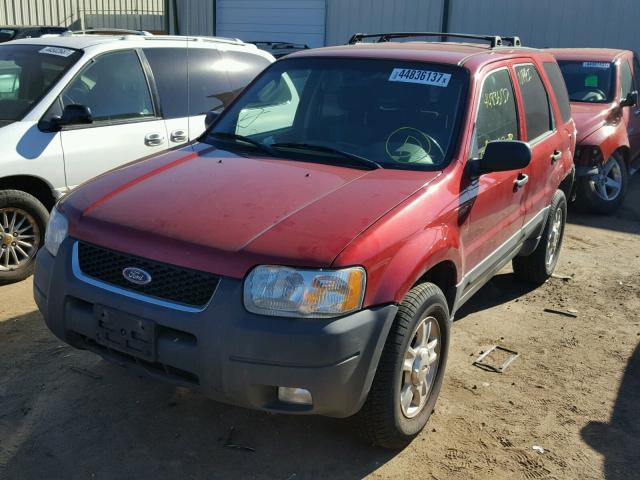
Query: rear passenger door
491	206
543	137
169	70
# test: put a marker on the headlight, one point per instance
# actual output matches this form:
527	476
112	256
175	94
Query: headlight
291	292
56	232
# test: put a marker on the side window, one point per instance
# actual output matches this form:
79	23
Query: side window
243	68
537	111
169	67
626	80
559	89
113	86
208	82
636	72
9	80
497	117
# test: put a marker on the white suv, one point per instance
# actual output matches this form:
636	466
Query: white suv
75	106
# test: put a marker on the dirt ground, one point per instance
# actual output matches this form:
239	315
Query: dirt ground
574	391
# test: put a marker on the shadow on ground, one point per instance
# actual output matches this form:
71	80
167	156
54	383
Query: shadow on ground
502	288
621	436
103	422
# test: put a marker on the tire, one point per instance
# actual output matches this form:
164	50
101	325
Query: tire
592	193
538	267
34	217
382	420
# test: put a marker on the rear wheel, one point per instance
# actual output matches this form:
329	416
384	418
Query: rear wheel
538	267
604	192
410	372
23	220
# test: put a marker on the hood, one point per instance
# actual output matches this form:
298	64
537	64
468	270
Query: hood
215	211
4	123
589	117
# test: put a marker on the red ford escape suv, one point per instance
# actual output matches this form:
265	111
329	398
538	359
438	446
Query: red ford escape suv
307	255
603	88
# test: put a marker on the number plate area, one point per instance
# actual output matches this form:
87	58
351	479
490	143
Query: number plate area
125	333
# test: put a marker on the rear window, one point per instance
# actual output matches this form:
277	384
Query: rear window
559	89
537	111
589	81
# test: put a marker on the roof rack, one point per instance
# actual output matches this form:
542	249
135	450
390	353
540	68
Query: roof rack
192	38
109	31
494	40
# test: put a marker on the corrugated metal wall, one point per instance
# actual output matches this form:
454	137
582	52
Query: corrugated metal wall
137	14
346	17
553	23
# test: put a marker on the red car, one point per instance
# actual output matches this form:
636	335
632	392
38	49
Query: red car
308	253
603	88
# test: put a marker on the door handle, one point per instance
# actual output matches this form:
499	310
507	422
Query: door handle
555	156
153	139
520	182
178	136
636	112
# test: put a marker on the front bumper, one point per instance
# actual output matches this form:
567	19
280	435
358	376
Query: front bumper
224	351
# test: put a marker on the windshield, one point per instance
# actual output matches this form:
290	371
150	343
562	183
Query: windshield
27	73
591	82
6	34
395	114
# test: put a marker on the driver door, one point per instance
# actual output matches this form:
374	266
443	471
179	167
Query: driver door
491	210
125	124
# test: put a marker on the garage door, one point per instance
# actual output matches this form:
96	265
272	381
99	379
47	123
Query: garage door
300	21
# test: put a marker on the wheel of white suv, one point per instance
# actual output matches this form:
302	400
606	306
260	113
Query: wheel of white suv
410	371
538	267
603	193
23	220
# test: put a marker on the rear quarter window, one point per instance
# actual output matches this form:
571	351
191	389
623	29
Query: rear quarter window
559	89
243	68
537	110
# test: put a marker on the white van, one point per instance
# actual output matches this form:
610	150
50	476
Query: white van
74	106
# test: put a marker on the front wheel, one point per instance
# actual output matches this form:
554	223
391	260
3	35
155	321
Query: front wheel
604	192
410	371
23	220
538	266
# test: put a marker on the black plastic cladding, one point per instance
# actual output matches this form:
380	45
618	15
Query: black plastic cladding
170	283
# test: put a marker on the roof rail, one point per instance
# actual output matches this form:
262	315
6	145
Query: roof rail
514	41
109	31
494	40
190	38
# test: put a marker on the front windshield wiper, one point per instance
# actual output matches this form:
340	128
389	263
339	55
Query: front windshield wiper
321	148
241	138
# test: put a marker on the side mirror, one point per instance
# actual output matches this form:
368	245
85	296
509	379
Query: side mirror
631	99
504	155
211	117
73	115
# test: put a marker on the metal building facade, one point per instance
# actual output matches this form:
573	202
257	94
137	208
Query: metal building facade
77	14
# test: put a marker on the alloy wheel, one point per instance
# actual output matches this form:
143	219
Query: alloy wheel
19	238
607	183
420	366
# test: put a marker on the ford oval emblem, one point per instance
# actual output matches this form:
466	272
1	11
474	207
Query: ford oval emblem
136	275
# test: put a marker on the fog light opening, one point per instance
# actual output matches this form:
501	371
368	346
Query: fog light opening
298	396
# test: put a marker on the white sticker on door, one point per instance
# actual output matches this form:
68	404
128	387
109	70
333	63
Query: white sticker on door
425	77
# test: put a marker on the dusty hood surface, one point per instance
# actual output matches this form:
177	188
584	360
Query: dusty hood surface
216	211
590	117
